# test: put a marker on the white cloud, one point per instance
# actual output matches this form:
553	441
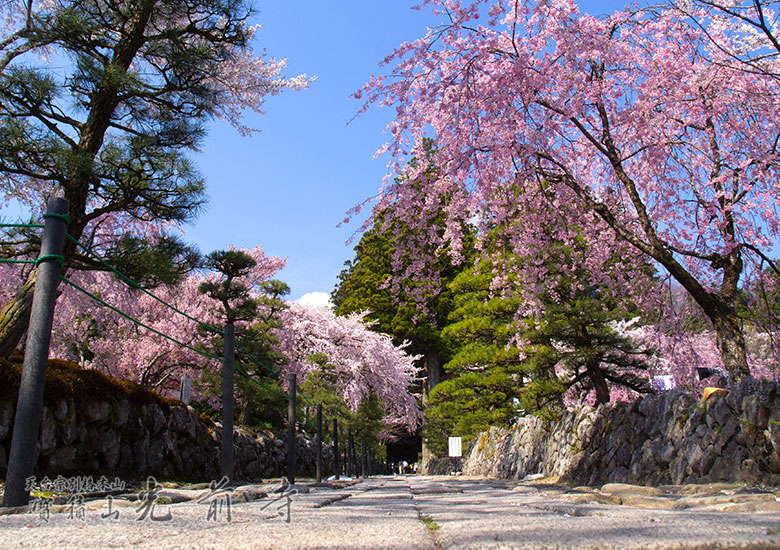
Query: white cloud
316	299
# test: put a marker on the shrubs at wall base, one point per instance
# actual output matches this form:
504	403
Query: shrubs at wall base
666	438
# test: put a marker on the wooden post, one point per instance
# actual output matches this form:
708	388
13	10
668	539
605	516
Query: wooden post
350	454
319	444
336	456
29	407
227	401
291	444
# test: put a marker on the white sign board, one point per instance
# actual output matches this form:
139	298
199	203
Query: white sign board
456	446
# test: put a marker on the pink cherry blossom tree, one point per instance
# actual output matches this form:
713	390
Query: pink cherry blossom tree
744	32
679	353
544	117
97	337
363	361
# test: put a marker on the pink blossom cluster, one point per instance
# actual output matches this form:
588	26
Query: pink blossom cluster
363	361
96	337
678	353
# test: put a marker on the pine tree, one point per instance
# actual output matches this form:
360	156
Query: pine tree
485	373
255	404
573	345
110	127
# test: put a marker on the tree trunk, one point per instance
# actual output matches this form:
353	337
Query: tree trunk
433	373
593	368
244	414
596	376
15	317
719	309
731	343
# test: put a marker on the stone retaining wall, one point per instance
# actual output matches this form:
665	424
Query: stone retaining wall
668	438
169	441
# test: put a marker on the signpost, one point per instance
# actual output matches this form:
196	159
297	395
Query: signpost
456	446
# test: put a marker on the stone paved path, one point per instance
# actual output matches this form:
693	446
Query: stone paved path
415	512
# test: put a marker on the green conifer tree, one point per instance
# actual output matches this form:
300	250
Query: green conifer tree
574	344
485	374
259	398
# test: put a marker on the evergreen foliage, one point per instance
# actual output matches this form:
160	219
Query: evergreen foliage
363	286
254	405
573	346
365	423
237	304
485	371
412	309
111	123
503	365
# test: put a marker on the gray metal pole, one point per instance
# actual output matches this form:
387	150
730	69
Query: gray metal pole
319	444
29	406
291	458
336	456
227	401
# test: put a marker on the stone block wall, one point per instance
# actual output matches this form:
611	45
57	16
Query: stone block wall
667	438
169	441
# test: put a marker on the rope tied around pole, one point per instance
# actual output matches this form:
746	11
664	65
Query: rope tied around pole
46	257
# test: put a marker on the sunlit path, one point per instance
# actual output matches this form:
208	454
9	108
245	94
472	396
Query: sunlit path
401	512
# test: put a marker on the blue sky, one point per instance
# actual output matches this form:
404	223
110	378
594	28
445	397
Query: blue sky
289	186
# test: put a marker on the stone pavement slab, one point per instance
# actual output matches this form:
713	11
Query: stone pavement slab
416	512
488	514
376	514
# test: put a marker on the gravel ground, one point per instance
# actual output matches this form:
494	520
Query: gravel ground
411	512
